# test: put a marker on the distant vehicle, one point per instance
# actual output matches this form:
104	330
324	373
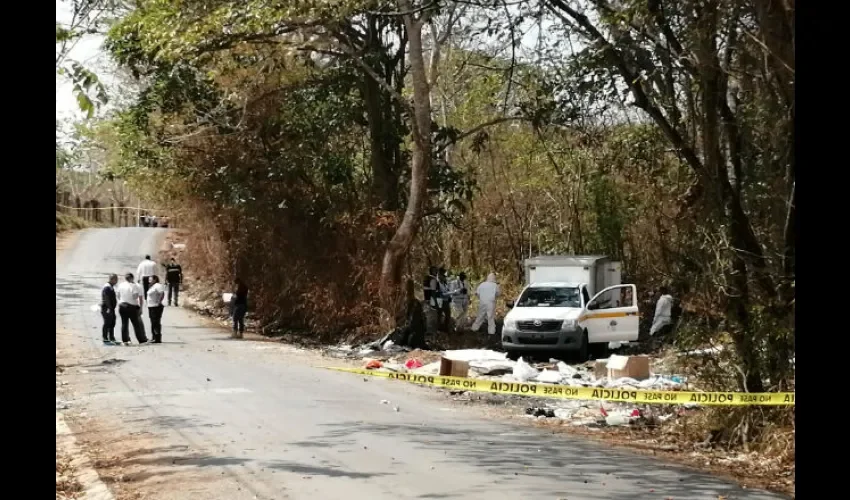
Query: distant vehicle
571	303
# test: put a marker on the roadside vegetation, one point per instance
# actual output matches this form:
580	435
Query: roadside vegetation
326	152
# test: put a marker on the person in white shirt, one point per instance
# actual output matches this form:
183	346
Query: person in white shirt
156	294
487	293
130	301
146	269
663	320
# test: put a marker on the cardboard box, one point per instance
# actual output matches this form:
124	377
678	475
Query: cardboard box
600	368
453	368
636	367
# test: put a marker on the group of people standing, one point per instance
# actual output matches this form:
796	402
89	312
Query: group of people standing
129	299
443	295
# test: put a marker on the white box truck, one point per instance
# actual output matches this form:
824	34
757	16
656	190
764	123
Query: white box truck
571	303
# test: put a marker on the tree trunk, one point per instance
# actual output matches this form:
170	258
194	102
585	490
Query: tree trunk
383	140
399	246
726	199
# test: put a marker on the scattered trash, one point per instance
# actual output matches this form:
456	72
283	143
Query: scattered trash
616	420
549	377
373	364
523	372
567	370
702	352
112	361
636	367
540	412
384	402
396	409
413	364
471	355
430	368
563	413
491	366
454	368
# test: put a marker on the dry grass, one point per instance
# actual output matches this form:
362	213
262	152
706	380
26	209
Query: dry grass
66	222
67	486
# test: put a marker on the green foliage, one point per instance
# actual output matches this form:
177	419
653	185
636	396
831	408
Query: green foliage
237	118
87	87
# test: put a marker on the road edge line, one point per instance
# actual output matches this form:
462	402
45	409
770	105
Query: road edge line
94	487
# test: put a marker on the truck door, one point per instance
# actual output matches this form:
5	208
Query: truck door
612	315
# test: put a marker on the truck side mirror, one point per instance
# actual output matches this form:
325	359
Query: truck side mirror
510	304
592	305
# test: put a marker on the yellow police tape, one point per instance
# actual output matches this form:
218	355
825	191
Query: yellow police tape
588	393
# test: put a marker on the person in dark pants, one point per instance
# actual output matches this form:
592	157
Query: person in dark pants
130	301
240	308
108	303
146	269
444	312
156	294
173	278
411	325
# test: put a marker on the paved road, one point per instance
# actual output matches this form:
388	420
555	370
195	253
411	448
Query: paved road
201	416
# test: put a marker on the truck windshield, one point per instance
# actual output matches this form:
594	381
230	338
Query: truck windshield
549	297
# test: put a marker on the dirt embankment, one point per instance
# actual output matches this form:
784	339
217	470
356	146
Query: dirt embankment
66	222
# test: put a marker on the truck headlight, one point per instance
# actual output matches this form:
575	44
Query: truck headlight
509	324
569	324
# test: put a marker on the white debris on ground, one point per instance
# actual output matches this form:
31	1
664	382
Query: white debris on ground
494	365
384	356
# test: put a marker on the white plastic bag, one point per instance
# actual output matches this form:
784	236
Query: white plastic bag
227	297
523	372
566	370
549	377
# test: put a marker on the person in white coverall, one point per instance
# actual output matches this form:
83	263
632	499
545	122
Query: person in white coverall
487	293
663	320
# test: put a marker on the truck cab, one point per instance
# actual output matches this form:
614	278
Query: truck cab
568	315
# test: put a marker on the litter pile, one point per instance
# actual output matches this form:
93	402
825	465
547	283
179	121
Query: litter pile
623	372
378	349
609	414
614	372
